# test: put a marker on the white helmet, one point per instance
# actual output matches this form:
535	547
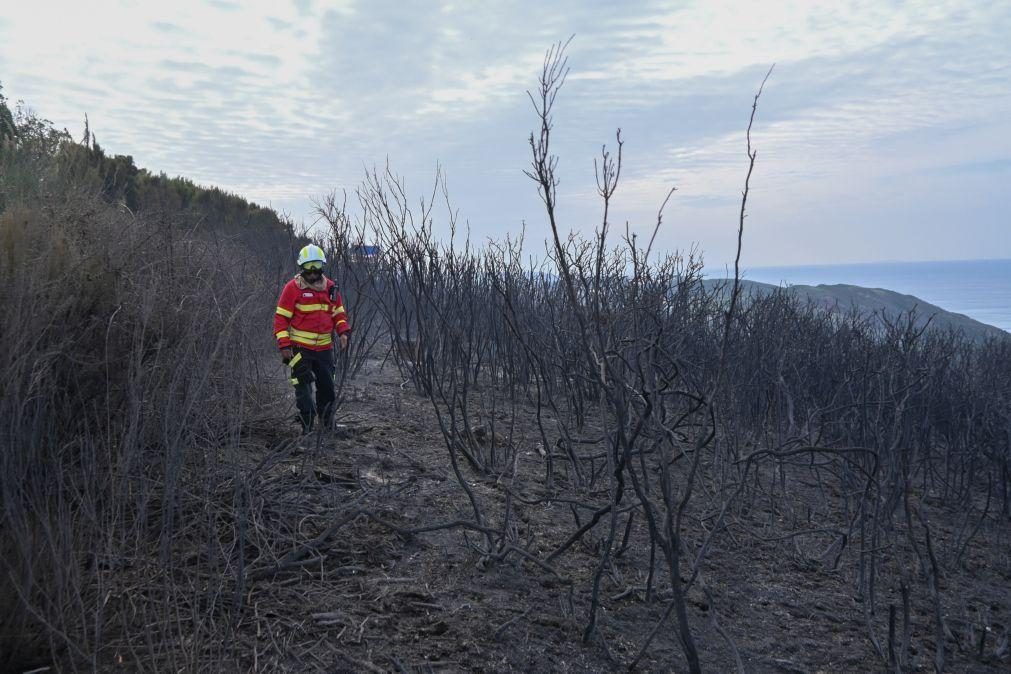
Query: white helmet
311	253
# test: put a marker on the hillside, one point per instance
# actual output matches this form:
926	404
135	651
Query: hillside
565	469
40	163
878	302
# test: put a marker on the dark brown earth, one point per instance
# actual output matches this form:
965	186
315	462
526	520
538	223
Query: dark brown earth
364	598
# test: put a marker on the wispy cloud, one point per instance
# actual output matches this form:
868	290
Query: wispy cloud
166	27
284	100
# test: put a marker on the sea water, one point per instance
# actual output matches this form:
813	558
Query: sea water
980	289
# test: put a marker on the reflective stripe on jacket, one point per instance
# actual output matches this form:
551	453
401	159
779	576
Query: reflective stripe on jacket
306	317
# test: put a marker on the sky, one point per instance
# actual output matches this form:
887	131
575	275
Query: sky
883	133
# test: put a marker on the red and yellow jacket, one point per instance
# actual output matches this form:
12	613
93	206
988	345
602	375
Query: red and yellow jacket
307	316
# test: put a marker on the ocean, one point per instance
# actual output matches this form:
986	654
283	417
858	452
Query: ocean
980	289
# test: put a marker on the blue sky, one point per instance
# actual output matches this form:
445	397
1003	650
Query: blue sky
884	132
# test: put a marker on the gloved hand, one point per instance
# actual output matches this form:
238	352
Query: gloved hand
286	355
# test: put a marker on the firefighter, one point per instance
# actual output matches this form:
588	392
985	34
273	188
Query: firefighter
308	312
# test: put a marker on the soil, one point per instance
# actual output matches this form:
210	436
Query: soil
368	598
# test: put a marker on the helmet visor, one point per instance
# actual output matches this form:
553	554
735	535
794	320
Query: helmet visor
312	266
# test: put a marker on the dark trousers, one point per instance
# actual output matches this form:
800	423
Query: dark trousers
322	366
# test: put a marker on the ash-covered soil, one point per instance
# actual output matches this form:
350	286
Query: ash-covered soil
351	590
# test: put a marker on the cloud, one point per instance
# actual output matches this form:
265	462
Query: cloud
282	101
831	128
166	27
280	24
225	5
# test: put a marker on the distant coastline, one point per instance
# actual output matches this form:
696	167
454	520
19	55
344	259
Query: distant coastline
980	289
872	263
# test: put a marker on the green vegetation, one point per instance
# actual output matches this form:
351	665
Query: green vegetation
38	161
